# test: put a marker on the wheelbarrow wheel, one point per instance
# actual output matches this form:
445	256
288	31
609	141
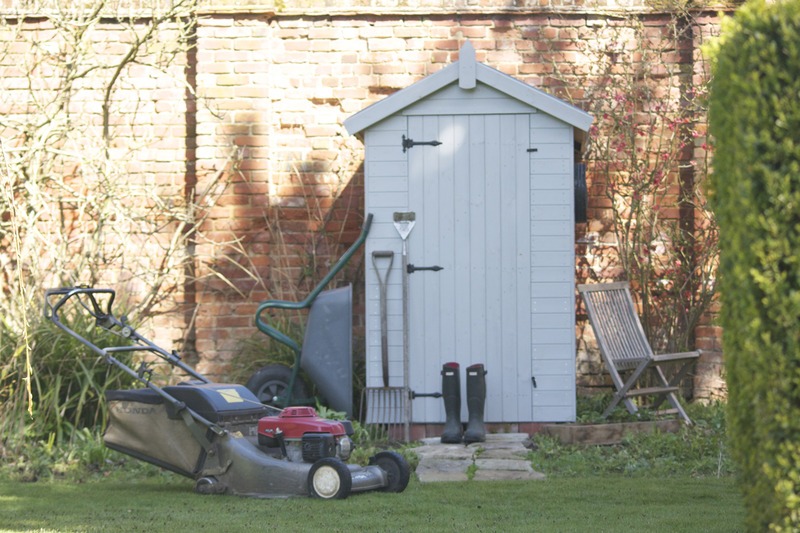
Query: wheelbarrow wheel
272	381
329	479
398	472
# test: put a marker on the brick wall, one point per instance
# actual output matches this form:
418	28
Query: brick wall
272	86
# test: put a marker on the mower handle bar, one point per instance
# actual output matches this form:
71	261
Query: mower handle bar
51	310
305	303
106	320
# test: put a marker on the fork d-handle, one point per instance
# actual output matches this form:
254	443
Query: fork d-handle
282	304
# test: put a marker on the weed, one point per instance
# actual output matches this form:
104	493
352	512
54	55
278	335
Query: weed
699	451
368	442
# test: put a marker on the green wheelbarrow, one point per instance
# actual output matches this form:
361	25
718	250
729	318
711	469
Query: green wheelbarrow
327	349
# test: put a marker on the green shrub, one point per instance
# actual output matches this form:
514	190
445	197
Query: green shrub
755	118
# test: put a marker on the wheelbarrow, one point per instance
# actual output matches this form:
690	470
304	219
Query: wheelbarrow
326	352
218	434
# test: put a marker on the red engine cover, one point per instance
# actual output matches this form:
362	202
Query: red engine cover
294	422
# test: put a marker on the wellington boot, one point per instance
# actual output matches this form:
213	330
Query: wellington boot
451	393
476	400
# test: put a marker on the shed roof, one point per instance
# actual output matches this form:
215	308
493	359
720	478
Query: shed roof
467	72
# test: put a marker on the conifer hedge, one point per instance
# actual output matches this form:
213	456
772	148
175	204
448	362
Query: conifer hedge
755	119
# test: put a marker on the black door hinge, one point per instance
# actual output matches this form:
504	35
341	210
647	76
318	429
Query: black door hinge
411	268
410	143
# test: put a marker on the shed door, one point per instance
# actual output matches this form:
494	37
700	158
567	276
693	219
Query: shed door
472	200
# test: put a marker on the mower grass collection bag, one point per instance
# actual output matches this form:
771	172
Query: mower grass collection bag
142	424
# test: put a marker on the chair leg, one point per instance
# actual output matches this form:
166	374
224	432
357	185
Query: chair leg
676	404
619	396
664	383
623	387
671	397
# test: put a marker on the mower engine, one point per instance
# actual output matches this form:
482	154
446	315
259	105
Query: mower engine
303	436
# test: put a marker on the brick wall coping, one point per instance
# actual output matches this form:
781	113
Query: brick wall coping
359	8
449	7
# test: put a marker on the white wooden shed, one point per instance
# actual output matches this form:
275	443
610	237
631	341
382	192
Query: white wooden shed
494	207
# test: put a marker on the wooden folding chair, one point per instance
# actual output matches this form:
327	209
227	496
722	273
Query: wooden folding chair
626	350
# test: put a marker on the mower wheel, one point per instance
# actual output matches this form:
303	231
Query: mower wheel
329	479
209	485
397	470
272	381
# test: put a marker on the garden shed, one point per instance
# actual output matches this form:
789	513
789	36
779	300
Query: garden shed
485	163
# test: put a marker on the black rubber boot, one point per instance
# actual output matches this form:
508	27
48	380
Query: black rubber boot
451	393
476	399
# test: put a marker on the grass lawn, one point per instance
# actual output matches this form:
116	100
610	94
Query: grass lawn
167	503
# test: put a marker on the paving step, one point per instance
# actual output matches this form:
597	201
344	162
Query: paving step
502	456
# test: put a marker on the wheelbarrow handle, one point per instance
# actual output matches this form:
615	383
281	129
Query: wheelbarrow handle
283	304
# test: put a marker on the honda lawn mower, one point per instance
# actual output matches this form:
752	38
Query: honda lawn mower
220	435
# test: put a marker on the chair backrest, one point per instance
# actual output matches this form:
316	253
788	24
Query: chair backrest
616	324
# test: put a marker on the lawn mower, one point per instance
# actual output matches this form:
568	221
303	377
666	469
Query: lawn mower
220	434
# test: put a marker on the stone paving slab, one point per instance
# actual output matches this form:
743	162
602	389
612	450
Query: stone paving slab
443	470
503	450
445	451
503	464
504	453
501	456
505	438
503	475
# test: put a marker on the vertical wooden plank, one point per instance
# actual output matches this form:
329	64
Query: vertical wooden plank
478	347
492	273
508	220
425	295
444	252
463	241
416	202
523	269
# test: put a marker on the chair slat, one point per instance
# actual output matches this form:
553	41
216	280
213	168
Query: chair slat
620	329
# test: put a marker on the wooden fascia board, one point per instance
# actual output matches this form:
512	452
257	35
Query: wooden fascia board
401	99
534	97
